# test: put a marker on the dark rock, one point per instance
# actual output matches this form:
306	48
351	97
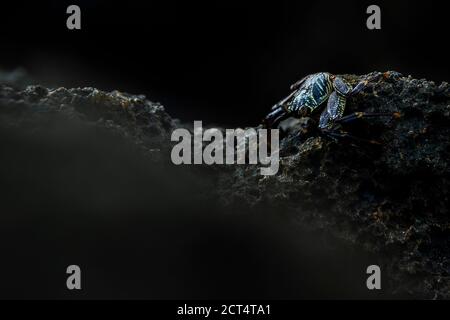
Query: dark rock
391	199
145	122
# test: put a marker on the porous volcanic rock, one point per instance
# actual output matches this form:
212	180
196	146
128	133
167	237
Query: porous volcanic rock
390	198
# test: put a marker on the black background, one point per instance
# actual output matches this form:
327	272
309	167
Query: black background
74	196
221	62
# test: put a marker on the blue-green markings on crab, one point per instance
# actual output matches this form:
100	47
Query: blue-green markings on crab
312	91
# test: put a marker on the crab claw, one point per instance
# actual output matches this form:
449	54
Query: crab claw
275	117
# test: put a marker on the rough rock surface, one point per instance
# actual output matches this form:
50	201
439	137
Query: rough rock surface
391	199
133	116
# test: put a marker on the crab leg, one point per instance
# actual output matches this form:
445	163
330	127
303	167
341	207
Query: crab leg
282	102
334	110
365	115
386	75
297	85
275	117
345	135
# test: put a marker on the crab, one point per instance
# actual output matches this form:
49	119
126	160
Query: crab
310	93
